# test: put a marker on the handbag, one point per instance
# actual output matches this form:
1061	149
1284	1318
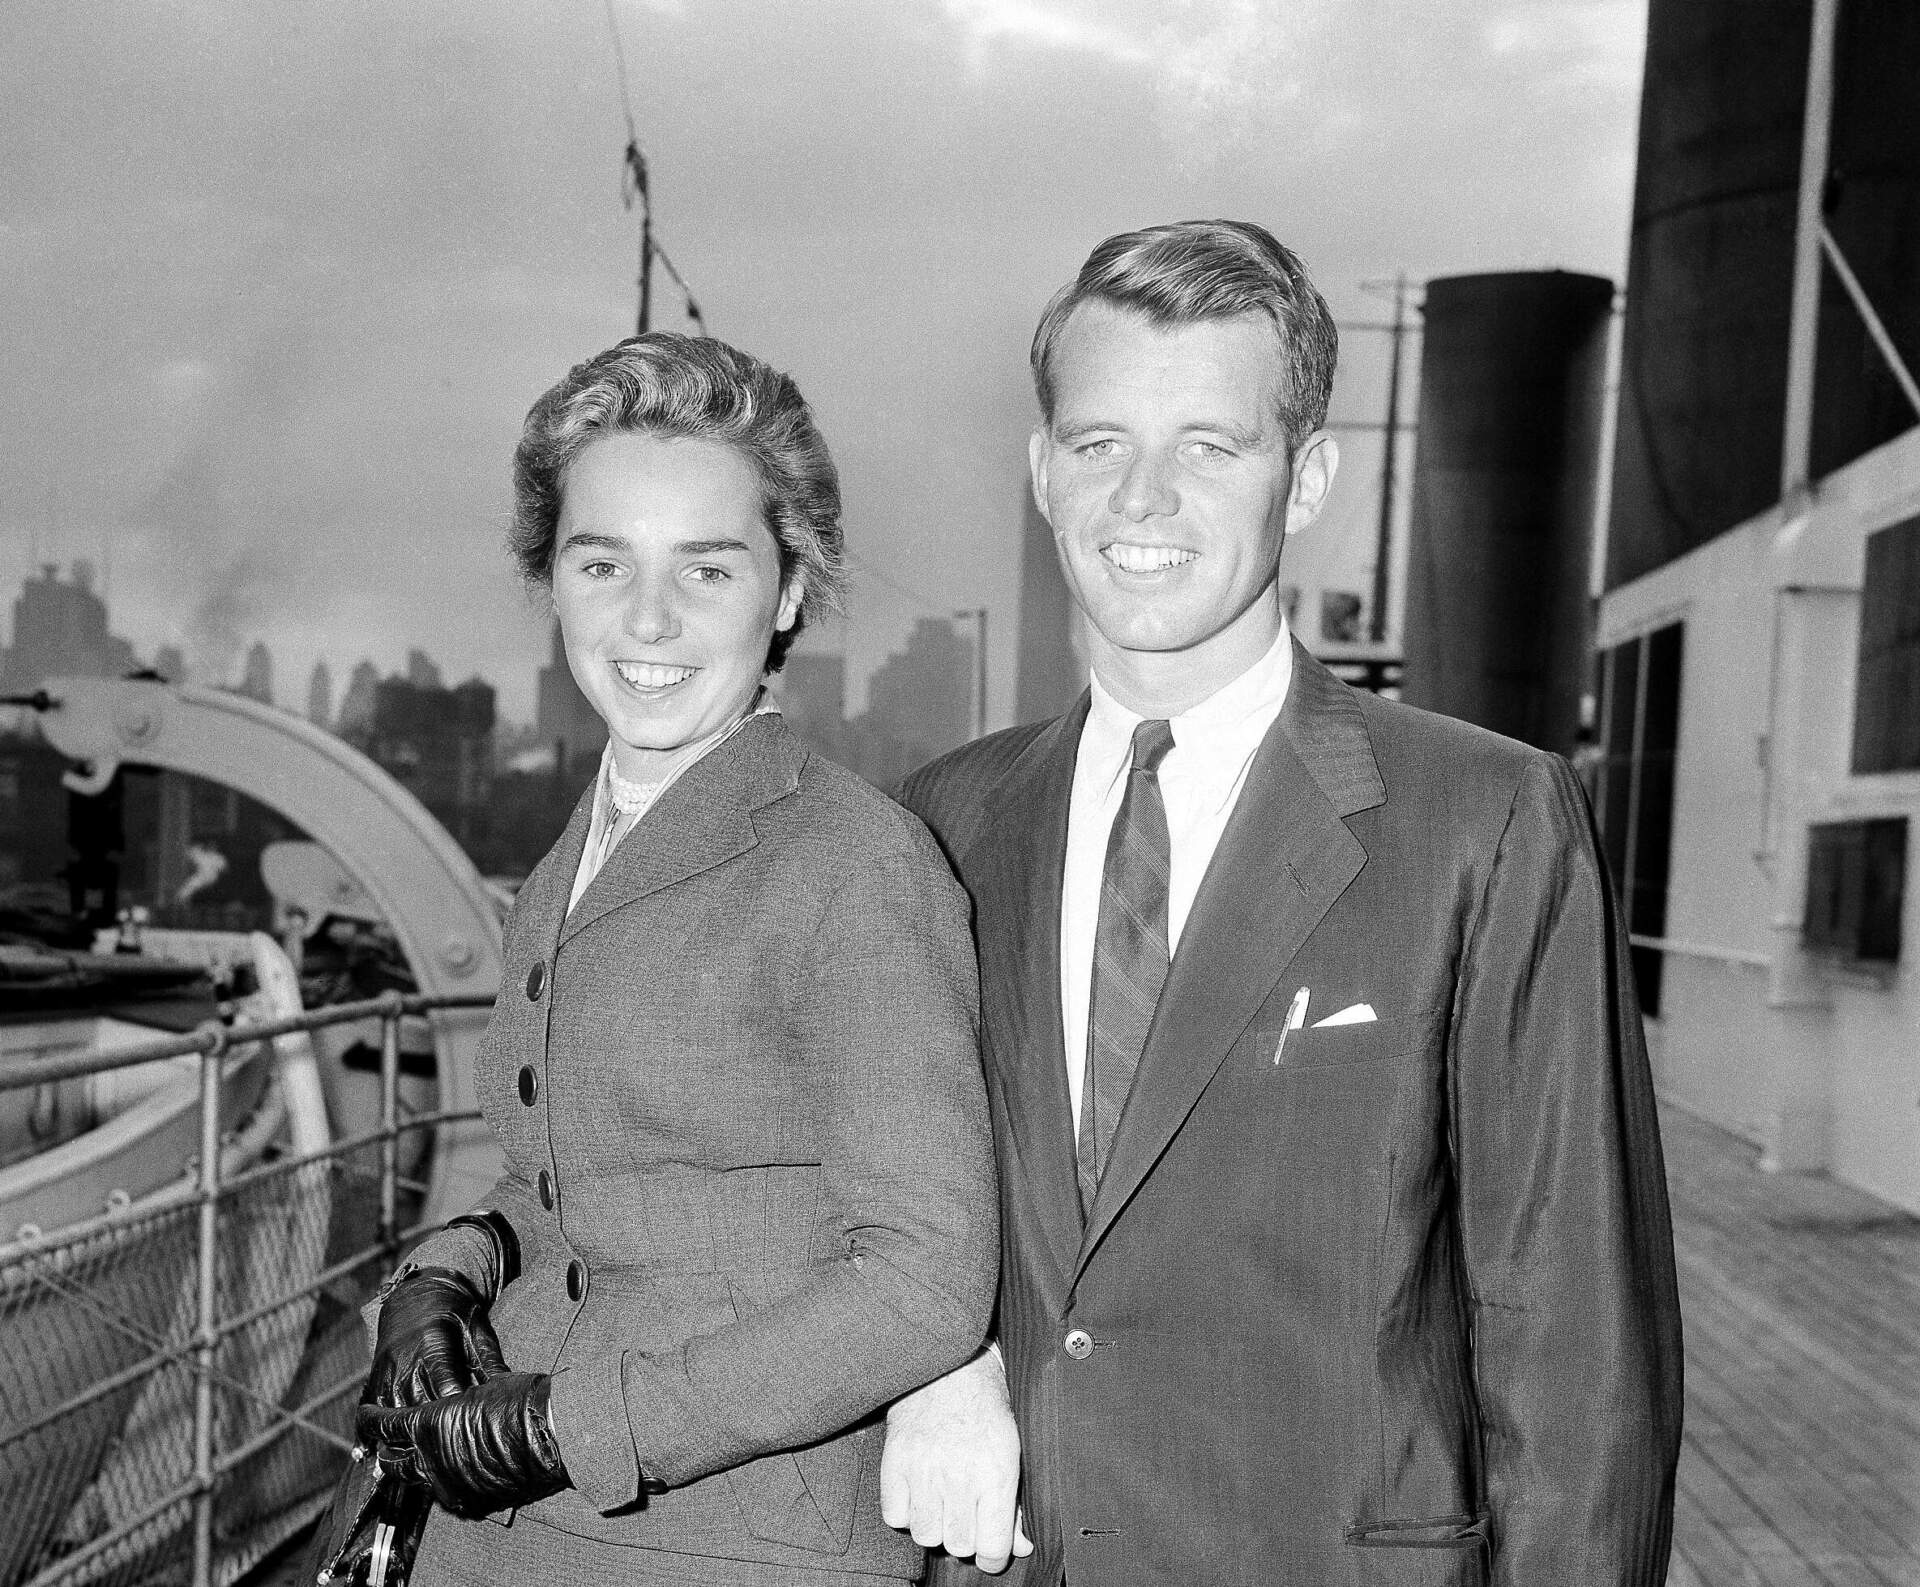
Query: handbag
372	1529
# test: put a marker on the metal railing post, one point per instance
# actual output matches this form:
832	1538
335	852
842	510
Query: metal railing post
389	1126
163	1507
207	1335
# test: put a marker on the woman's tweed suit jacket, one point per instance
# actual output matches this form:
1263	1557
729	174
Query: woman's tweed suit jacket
748	1158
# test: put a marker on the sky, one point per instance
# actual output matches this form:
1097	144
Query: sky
281	281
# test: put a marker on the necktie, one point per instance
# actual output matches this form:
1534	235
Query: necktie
1129	953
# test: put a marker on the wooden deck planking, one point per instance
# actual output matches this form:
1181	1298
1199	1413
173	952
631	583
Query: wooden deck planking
1842	1445
1857	1494
1801	1463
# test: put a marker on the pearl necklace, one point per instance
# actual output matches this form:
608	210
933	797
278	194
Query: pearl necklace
630	798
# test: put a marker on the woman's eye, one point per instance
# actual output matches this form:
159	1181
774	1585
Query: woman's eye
707	574
600	569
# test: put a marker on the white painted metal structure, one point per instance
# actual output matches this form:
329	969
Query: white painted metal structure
433	900
1817	1064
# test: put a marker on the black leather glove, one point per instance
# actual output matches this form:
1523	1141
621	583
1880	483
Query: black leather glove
434	1339
480	1451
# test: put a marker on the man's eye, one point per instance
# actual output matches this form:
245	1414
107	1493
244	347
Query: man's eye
599	568
1208	451
1106	446
706	573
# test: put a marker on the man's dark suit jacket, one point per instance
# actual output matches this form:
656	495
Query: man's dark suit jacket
1396	1304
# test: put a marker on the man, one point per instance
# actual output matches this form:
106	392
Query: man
1336	1244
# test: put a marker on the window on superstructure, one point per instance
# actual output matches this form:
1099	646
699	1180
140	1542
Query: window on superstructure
1886	696
1639	730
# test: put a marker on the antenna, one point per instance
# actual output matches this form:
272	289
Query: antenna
634	190
1383	546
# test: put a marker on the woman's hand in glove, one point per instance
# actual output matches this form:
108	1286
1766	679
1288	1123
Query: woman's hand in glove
479	1451
434	1339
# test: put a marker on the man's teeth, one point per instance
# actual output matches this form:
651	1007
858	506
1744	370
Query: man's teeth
652	675
1147	559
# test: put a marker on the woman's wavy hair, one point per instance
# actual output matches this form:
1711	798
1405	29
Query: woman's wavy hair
1198	270
694	388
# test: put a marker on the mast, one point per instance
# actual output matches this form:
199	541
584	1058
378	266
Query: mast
1383	553
635	190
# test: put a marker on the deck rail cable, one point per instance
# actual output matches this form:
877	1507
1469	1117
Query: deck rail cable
180	1370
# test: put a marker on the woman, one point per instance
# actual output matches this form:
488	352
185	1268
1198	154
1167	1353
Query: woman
749	1189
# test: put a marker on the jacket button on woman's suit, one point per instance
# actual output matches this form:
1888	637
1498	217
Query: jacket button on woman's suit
537	980
546	1190
576	1279
529	1084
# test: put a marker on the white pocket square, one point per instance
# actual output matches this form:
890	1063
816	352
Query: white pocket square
1354	1014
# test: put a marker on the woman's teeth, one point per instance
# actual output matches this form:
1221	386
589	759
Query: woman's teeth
1147	559
652	675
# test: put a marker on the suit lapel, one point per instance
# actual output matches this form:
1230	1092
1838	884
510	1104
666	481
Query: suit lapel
1284	858
1016	867
703	820
541	903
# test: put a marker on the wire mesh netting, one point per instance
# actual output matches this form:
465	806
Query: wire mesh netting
100	1373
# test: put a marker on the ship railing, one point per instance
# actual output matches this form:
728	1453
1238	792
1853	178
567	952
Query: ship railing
166	1450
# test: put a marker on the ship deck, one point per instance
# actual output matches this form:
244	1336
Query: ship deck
1802	1304
1801	1463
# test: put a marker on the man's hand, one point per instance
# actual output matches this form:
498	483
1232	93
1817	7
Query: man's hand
950	1473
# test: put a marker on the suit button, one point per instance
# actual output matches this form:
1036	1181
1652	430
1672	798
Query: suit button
576	1280
546	1190
537	980
1079	1344
529	1084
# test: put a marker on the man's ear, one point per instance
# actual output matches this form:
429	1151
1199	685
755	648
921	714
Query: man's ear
1037	453
1315	462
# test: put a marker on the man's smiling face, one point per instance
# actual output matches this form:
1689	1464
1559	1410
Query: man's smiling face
1171	488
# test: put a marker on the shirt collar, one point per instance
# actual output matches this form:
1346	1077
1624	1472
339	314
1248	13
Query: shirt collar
1212	741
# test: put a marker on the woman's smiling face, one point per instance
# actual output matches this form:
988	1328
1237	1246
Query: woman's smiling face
666	580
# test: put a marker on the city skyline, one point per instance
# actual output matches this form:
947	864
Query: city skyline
61	624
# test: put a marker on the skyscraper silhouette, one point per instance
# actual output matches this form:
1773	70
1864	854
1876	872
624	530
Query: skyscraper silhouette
1050	670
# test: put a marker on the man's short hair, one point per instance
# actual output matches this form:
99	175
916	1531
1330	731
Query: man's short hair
693	388
1198	270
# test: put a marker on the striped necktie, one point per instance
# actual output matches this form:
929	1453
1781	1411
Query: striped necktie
1129	953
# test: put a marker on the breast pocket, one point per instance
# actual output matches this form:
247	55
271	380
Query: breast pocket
1326	1046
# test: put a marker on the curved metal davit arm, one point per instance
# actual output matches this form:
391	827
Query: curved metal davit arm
429	892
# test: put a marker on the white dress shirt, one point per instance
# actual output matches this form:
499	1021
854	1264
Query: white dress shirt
1200	782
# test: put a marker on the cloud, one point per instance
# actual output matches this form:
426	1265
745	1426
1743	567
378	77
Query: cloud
1225	66
185	383
1076	28
1573	43
1215	68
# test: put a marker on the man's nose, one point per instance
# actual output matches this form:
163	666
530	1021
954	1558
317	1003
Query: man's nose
1145	490
653	614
